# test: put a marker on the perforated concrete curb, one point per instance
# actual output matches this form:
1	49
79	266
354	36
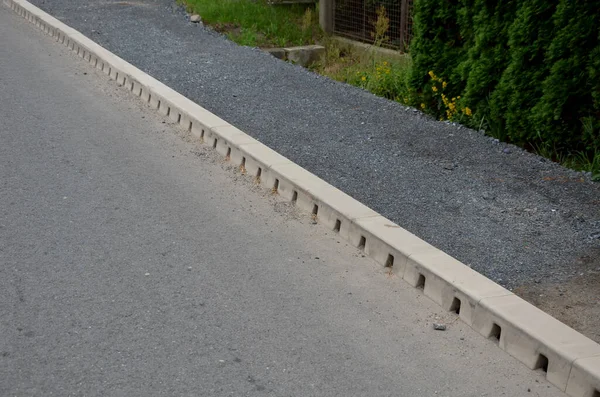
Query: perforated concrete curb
571	360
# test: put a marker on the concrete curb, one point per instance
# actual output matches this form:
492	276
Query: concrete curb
571	360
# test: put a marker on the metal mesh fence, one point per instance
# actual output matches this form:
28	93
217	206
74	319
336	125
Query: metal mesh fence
356	19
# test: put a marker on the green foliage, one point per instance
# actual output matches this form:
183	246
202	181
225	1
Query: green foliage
366	68
529	69
484	24
257	23
520	86
383	78
437	46
570	98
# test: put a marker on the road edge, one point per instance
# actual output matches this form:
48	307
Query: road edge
571	360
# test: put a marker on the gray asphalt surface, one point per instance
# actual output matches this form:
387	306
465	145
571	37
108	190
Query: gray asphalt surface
512	216
134	263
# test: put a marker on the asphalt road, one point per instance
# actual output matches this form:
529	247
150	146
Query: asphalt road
135	263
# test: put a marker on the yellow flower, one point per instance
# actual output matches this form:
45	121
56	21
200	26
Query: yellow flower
385	63
364	78
444	84
434	89
431	74
468	112
422	106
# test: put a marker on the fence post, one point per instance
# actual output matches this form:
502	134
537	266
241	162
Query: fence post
403	23
326	15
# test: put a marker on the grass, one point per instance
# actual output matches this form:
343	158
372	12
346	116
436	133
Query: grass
367	69
579	161
259	24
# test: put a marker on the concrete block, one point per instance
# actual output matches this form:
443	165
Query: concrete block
238	159
295	184
137	88
174	114
278	53
146	95
202	121
120	78
113	73
164	107
584	380
335	209
338	210
264	155
532	336
449	282
382	237
305	55
154	100
184	122
258	159
228	137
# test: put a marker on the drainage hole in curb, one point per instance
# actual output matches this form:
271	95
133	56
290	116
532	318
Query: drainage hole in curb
258	172
243	165
455	306
189	128
338	225
179	118
149	97
275	186
495	333
202	134
362	243
228	155
315	211
389	262
294	197
131	89
168	112
421	282
215	143
542	363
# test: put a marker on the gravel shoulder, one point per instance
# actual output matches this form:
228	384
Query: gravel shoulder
520	220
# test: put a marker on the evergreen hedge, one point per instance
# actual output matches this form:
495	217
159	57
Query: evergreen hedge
529	69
